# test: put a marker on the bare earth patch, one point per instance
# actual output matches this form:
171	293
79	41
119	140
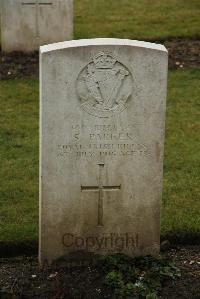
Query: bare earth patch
21	278
183	53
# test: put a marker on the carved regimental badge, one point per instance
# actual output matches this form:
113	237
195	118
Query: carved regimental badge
104	86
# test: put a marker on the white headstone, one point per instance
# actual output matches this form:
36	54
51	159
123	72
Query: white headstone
28	24
101	146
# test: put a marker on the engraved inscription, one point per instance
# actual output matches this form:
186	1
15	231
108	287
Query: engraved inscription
104	86
100	189
94	150
100	141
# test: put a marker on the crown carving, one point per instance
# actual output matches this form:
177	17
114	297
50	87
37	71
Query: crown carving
104	61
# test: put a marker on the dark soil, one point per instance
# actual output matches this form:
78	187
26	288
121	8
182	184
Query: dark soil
187	259
183	53
18	65
20	278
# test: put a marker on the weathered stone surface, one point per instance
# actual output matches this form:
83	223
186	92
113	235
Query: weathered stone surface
28	24
101	145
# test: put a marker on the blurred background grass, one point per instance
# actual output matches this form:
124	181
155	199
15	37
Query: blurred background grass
136	19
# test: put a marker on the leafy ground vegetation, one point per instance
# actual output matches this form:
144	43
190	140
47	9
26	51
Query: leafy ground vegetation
139	277
116	276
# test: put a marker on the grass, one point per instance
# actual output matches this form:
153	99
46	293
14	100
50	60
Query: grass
181	197
19	157
136	19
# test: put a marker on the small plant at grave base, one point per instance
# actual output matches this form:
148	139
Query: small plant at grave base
140	277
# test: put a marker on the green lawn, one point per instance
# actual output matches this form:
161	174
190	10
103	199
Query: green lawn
136	19
19	157
181	197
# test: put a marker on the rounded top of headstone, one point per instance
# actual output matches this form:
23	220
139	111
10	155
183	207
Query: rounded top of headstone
101	41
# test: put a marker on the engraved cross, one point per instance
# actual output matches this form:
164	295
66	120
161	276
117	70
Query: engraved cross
100	189
37	4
